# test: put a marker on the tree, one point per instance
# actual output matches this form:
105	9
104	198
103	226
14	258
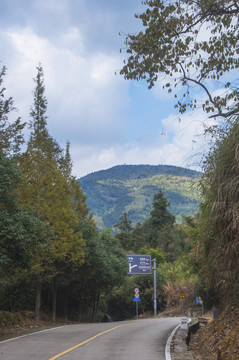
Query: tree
46	190
157	254
11	136
140	235
193	43
75	282
160	215
66	163
171	241
21	234
105	265
124	236
219	215
113	267
158	230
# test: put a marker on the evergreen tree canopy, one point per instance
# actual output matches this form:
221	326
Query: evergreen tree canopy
41	143
10	133
124	236
124	224
160	215
21	234
49	192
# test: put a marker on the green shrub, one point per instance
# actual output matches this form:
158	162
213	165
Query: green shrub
8	320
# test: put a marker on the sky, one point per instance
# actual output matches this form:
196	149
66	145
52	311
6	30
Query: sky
108	120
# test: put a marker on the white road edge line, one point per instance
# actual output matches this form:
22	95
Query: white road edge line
168	344
30	334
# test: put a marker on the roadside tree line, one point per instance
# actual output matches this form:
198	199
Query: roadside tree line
193	46
52	256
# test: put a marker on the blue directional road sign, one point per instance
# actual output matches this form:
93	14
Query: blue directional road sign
199	300
136	299
139	264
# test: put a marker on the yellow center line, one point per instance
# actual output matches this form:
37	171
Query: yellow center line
82	343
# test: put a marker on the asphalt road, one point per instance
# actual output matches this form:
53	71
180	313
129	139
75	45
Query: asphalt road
139	339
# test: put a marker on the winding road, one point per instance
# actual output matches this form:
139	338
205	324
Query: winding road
139	340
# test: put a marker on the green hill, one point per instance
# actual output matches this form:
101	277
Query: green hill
131	188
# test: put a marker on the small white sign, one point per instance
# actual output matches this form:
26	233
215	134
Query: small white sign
184	322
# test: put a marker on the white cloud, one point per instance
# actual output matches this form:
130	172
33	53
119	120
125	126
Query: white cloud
87	103
72	39
182	143
83	93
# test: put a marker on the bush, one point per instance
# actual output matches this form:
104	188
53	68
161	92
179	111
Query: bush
9	320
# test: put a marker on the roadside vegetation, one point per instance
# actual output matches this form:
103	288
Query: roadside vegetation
191	49
55	263
53	260
131	189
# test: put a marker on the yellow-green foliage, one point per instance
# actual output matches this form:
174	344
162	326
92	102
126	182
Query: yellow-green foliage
131	188
183	185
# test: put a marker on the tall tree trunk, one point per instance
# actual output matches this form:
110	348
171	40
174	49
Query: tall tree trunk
65	307
97	302
95	305
54	292
38	299
80	312
93	310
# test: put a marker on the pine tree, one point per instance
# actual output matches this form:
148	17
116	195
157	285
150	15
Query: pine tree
161	233
21	234
124	236
160	215
46	190
66	163
10	133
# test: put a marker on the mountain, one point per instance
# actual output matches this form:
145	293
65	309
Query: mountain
131	188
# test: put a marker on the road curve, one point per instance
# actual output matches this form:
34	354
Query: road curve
140	339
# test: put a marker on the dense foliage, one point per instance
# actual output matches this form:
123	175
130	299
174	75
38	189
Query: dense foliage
219	214
54	259
52	256
193	46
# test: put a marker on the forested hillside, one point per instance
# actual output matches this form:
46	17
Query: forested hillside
190	49
52	257
54	261
131	188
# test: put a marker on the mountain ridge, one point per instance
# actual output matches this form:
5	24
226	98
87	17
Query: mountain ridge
167	169
130	188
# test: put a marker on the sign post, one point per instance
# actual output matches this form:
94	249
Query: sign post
141	265
199	301
183	297
136	299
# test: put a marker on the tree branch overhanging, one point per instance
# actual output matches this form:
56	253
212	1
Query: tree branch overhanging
170	45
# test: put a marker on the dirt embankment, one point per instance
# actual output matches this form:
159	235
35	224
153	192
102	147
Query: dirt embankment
17	324
216	340
219	339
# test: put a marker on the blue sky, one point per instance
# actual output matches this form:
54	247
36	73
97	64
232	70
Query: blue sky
108	120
